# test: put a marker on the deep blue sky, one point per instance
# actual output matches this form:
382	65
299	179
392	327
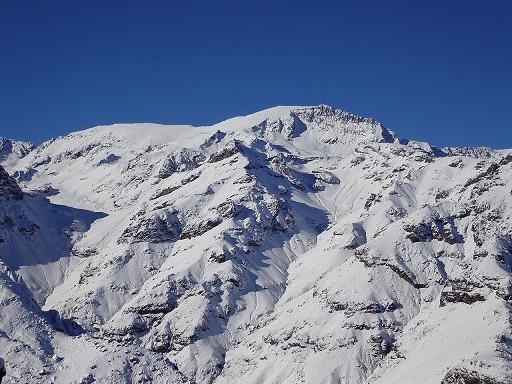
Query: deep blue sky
435	70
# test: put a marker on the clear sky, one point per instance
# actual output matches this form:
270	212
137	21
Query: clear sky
436	70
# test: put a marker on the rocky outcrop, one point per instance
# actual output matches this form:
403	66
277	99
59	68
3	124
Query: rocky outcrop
231	149
442	229
181	160
461	291
229	209
372	200
157	228
197	229
465	376
9	189
13	150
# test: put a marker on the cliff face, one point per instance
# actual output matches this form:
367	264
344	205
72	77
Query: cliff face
298	244
8	187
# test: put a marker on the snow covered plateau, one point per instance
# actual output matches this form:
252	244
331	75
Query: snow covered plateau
294	245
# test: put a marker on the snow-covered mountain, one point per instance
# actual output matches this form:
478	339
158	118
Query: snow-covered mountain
294	245
13	150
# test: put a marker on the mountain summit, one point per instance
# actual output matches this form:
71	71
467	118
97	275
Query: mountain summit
293	245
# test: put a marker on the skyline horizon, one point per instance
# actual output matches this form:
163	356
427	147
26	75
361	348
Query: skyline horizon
398	135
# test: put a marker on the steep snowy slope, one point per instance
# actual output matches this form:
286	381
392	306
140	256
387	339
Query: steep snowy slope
40	345
297	244
13	150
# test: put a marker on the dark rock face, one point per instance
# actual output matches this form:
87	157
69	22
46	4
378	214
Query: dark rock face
476	152
2	369
326	177
460	297
373	199
460	291
83	253
392	306
46	190
155	229
180	161
9	189
110	159
190	178
161	343
463	376
74	154
198	229
349	308
487	174
279	164
229	150
362	254
29	230
380	345
166	191
24	175
326	116
229	210
218	257
442	229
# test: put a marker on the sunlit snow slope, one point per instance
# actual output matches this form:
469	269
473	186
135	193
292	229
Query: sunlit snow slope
294	245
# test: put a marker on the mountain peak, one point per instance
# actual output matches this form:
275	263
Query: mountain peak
339	129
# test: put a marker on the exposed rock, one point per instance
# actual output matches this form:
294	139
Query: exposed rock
228	209
476	152
181	160
460	297
13	150
166	191
349	308
9	189
279	164
442	229
460	291
197	229
110	159
380	345
24	174
373	199
326	177
190	178
46	190
231	149
465	376
164	227
83	253
488	174
218	256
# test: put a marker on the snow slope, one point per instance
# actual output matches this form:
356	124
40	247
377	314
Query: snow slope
297	244
13	150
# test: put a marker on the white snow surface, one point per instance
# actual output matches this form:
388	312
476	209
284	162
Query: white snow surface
293	245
